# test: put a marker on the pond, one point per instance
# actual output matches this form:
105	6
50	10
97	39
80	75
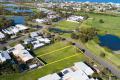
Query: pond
10	5
57	30
18	19
110	41
18	10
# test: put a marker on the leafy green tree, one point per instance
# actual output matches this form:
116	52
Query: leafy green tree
102	55
101	21
87	34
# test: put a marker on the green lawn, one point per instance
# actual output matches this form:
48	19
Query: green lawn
67	25
96	49
69	51
51	47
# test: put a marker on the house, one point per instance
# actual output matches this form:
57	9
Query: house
21	27
21	53
37	44
2	36
34	34
75	18
36	40
15	29
44	40
82	66
11	30
41	20
4	55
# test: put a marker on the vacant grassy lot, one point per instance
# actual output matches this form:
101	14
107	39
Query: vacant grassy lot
50	48
54	52
67	25
66	52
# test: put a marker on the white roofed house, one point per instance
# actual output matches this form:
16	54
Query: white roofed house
21	53
82	66
37	44
75	18
4	55
21	27
34	34
40	20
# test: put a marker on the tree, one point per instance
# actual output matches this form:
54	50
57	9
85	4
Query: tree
29	46
102	55
95	75
4	48
74	36
101	21
87	34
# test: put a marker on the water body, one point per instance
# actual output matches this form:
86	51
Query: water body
10	5
18	19
57	30
100	1
110	41
19	10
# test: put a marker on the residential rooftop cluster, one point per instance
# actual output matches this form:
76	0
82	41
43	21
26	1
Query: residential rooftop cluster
87	6
37	40
21	54
12	31
15	29
80	71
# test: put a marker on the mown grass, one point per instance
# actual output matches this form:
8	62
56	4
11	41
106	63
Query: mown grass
50	48
69	51
67	25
